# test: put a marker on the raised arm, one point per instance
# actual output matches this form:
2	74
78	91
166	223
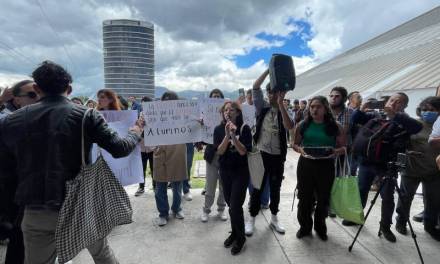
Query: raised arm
287	122
257	93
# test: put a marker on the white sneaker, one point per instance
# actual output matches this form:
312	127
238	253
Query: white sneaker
187	196
276	225
204	217
161	221
222	215
249	226
179	215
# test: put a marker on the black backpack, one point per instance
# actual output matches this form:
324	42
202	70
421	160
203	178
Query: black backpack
376	141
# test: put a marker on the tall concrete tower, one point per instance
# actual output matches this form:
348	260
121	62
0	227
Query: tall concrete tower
129	57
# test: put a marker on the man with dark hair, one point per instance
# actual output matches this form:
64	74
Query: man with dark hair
399	129
342	114
299	115
40	148
23	94
134	104
77	100
270	136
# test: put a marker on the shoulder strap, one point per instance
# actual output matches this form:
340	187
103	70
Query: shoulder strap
83	154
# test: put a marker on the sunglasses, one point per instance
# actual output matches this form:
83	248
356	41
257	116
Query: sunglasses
31	95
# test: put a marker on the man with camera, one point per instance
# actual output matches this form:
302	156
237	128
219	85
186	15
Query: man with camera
377	143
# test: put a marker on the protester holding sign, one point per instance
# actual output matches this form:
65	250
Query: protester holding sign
318	138
169	166
212	177
233	140
147	157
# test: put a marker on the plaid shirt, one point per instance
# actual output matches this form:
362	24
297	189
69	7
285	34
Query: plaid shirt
344	119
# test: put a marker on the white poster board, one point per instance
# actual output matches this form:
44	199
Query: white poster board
129	169
179	121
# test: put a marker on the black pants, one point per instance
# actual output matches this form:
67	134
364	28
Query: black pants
235	182
274	170
147	157
431	199
15	251
314	177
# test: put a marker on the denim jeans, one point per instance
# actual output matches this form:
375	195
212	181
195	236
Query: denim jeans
265	195
189	161
162	198
367	173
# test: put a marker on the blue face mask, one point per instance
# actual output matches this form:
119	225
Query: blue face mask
429	116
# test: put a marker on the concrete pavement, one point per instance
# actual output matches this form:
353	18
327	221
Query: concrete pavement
191	241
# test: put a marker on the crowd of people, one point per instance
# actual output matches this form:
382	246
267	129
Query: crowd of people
40	134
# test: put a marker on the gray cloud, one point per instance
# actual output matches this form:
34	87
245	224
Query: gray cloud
195	40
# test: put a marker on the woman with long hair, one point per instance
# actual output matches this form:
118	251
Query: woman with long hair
169	166
108	100
232	140
318	139
212	177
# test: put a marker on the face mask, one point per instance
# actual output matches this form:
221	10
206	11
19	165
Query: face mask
429	116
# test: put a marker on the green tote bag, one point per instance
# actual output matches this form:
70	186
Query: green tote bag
345	199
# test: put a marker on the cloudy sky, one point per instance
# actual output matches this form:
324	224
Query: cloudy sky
199	44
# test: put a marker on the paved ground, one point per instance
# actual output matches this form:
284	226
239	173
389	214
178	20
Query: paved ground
191	241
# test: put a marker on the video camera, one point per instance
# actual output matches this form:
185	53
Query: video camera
399	165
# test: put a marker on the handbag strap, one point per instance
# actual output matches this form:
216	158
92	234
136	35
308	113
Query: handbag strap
343	166
83	153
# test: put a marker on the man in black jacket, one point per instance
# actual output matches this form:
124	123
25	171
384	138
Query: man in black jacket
272	123
400	124
40	148
23	94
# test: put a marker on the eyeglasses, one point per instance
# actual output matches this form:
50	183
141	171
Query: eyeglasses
31	95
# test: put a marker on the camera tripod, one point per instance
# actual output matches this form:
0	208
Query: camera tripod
391	177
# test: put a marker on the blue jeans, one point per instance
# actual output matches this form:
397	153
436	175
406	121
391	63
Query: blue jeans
189	161
162	198
367	173
265	195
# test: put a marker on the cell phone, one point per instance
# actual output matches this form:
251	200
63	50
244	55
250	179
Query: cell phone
376	104
241	92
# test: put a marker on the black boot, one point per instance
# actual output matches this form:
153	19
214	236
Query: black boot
321	229
238	246
302	233
386	231
229	241
401	228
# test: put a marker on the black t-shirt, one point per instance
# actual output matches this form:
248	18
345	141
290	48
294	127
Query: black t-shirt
231	158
